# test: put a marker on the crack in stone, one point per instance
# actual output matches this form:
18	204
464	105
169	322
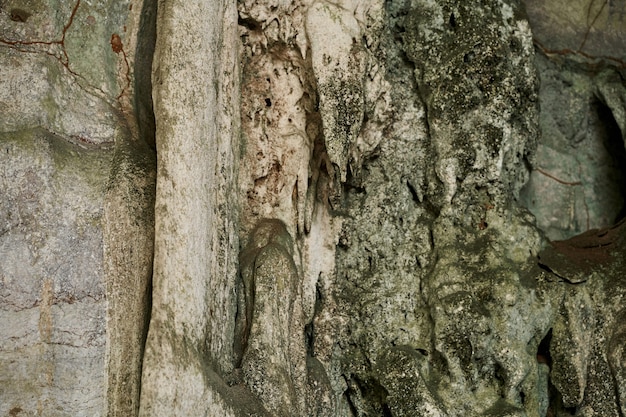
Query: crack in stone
118	47
40	46
570	52
61	42
593	21
547	174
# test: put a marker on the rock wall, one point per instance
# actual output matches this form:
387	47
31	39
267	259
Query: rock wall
190	340
577	180
77	208
430	129
313	208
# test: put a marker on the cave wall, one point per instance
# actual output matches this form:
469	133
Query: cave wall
194	78
315	208
77	207
577	178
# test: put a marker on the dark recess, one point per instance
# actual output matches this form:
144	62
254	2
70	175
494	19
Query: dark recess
543	350
146	41
19	15
614	144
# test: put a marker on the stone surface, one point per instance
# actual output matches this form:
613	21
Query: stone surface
584	29
276	172
273	364
128	228
448	288
53	288
359	208
577	181
190	341
76	210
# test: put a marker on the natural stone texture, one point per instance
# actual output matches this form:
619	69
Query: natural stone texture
128	227
53	303
586	28
76	211
586	332
577	182
338	61
479	84
343	234
284	180
570	347
617	359
275	170
273	364
576	186
452	285
190	341
429	123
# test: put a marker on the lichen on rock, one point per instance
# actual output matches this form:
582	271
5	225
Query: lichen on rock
268	318
358	209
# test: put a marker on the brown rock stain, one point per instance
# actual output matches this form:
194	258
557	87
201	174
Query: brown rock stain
15	411
118	47
116	43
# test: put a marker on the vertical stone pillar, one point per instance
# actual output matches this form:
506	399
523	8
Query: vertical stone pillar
195	94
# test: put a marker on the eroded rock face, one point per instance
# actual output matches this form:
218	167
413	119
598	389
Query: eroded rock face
190	342
270	312
455	273
342	229
585	30
426	128
575	188
53	287
577	180
407	182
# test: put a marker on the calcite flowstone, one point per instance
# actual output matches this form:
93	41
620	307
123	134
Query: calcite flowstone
190	340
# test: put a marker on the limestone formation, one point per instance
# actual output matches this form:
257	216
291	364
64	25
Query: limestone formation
312	208
76	208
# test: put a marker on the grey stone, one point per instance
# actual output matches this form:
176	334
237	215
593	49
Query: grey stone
272	362
53	289
190	342
579	29
358	208
577	179
76	211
